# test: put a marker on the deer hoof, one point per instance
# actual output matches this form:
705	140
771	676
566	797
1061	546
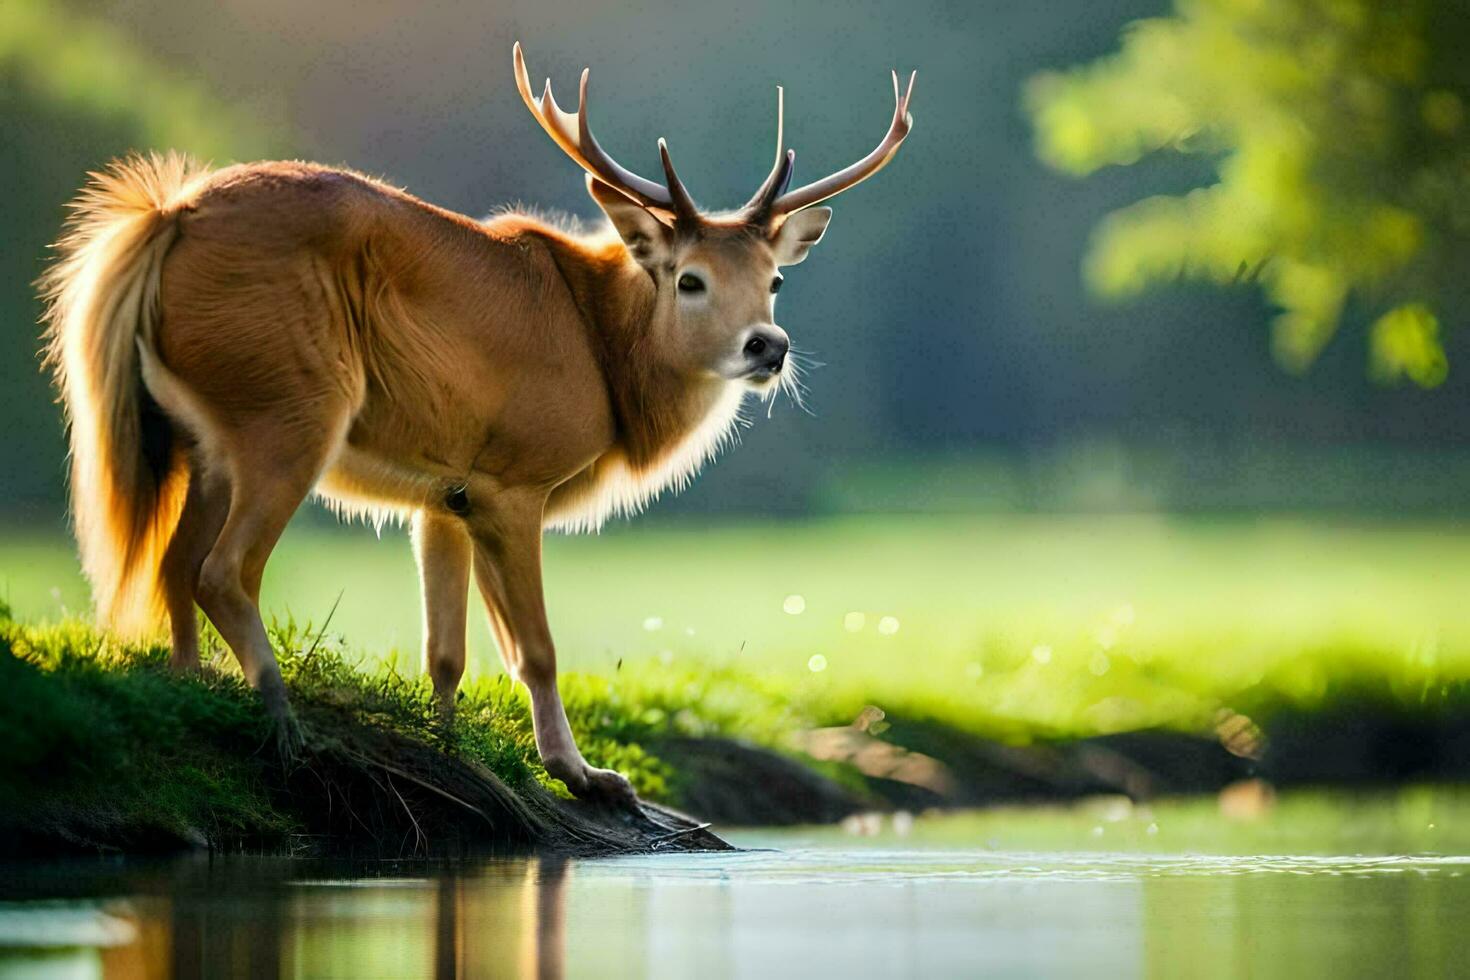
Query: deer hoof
591	784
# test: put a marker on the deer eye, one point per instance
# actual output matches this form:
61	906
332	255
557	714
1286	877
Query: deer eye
776	284
690	283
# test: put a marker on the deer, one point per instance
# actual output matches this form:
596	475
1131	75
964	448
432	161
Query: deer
228	342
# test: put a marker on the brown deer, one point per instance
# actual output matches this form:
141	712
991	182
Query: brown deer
226	342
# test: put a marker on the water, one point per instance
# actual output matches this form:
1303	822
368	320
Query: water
1103	890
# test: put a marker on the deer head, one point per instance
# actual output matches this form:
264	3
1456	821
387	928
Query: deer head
715	274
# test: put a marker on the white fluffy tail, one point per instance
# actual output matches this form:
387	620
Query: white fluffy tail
127	484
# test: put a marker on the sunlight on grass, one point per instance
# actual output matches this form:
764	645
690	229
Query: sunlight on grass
1015	626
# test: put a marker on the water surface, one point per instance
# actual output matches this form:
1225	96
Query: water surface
1355	887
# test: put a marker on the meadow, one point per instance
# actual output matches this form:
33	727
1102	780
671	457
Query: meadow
1016	626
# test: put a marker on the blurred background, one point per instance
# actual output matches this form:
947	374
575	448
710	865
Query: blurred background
1143	418
1152	320
968	365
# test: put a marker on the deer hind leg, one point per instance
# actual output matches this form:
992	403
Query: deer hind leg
507	559
205	509
442	547
272	470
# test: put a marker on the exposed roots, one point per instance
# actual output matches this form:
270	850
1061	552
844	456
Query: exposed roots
361	788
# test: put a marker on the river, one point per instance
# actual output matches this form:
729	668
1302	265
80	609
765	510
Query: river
1321	884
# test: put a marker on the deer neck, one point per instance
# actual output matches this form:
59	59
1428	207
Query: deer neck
659	409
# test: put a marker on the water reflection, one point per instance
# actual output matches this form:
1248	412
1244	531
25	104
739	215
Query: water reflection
516	927
262	917
803	911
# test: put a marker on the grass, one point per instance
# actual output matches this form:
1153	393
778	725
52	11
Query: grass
1017	629
1018	626
96	738
102	743
1021	629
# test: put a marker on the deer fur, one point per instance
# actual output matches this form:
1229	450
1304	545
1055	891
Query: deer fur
284	327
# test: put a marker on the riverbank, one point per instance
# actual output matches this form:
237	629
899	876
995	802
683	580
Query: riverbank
102	748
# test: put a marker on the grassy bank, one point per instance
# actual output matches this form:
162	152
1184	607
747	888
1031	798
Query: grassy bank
1014	625
101	745
933	635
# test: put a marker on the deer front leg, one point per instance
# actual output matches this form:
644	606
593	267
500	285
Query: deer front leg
507	560
441	546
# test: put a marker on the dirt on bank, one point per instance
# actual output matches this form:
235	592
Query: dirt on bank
920	765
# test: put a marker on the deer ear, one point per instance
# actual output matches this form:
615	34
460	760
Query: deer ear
798	233
649	240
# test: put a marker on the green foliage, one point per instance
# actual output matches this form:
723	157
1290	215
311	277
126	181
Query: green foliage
1405	342
1338	135
86	68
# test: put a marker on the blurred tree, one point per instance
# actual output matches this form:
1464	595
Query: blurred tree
1338	133
74	93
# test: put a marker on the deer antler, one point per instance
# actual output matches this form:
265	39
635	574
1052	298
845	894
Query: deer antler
758	208
773	199
573	134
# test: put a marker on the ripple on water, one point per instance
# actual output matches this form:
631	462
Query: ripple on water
888	867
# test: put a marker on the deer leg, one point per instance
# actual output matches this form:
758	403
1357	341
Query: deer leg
442	547
507	560
269	484
205	507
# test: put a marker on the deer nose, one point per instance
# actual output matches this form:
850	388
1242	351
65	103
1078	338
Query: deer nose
766	349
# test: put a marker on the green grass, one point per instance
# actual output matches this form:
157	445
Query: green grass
102	743
1018	626
97	740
